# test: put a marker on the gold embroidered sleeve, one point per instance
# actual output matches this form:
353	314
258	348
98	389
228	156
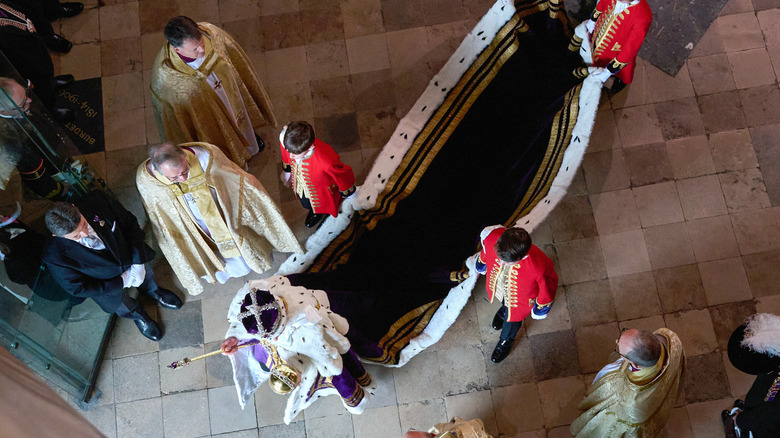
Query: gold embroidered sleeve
615	66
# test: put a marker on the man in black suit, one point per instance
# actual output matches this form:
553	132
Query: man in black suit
98	252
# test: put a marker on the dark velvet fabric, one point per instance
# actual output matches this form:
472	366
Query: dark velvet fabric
477	179
267	318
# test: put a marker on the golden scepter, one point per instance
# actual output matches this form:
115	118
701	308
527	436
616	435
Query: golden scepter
186	361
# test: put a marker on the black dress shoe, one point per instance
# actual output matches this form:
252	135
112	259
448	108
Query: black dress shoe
69	9
58	43
166	298
498	321
260	143
312	219
62	81
63	115
148	327
502	351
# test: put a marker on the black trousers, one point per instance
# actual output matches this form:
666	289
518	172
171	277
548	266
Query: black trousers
510	329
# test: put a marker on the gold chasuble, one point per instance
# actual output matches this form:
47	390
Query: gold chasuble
626	403
460	428
251	219
187	109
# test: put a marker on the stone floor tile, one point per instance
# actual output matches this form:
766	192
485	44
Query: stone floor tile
764	142
739	382
768	21
756	231
464	331
705	417
141	418
605	134
762	272
104	418
650	324
761	105
774	56
580	260
155	15
473	405
105	381
219	372
378	422
361	17
606	171
334	426
375	126
248	34
727	317
712	238
189	326
341	132
744	190
462	369
724	281
595	345
373	90
615	211
292	102
83	28
186	414
332	96
710	43
270	407
557	319
233	10
736	6
761	5
572	219
722	112
444	39
705	378
402	14
516	368
625	253
669	245
123	92
701	197
407	48
658	204
678	424
732	150
325	407
560	398
215	323
751	68
188	378
321	25
638	125
281	31
136	377
384	394
679	118
558	432
635	295
413	383
202	10
286	66
408	84
418	415
578	186
368	53
648	164
695	330
119	21
125	129
225	413
442	11
292	430
126	340
665	87
711	74
740	32
83	62
509	419
555	355
770	304
690	157
637	93
590	303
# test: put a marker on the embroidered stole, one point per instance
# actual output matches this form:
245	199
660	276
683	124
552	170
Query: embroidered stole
644	376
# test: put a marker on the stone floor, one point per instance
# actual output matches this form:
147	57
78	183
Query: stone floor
673	221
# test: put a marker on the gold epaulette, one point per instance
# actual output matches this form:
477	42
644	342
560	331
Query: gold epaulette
580	72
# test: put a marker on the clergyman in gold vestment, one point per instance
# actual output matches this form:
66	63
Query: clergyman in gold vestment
204	88
633	396
211	219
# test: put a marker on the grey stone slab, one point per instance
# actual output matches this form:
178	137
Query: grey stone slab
417	415
126	340
332	426
462	369
727	317
248	433
182	327
104	418
768	154
219	372
384	395
379	422
677	26
705	378
186	378
418	380
292	430
590	303
517	368
555	355
186	414
226	414
136	377
141	418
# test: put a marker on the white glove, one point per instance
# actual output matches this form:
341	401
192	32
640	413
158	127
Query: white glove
127	277
281	135
471	262
599	73
285	177
140	274
590	26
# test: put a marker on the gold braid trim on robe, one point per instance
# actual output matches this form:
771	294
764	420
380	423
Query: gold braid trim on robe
616	407
464	429
253	219
187	109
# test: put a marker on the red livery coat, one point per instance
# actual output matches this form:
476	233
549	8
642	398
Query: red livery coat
616	41
532	280
325	177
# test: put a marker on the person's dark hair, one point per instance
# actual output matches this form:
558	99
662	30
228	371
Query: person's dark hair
63	218
162	153
180	29
645	349
513	245
298	137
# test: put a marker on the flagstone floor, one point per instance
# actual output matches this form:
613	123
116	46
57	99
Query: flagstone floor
674	219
